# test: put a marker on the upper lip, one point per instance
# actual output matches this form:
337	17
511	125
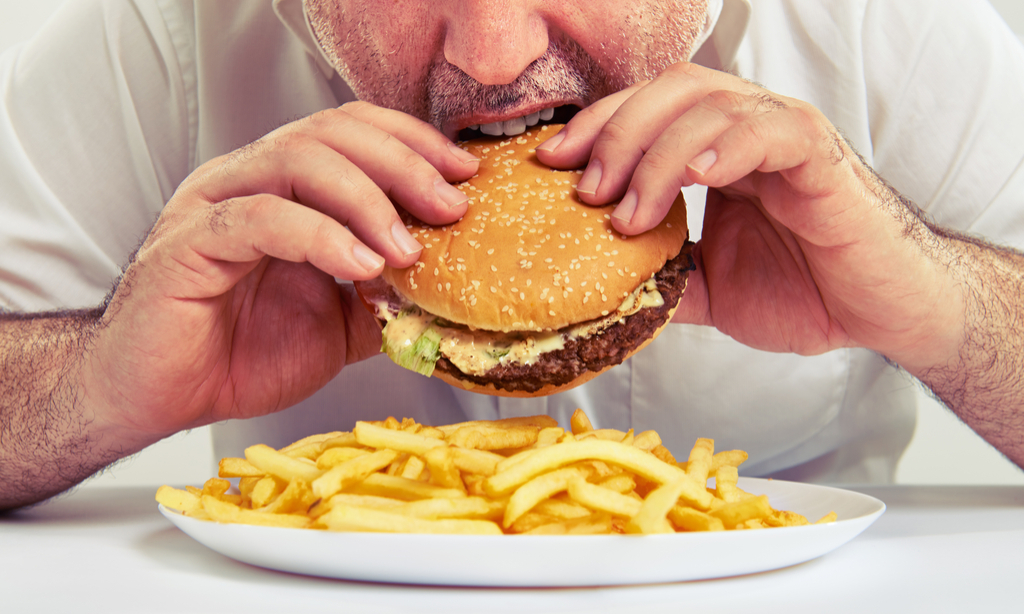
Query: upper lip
452	127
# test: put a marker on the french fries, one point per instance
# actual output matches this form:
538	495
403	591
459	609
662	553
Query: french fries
512	476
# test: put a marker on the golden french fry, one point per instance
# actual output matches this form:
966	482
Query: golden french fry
221	511
314	440
341	440
281	465
309	451
630	458
827	518
731	458
469	507
602	499
609	434
477	462
664	454
699	464
580	423
725	484
622	483
296	498
689	519
628	438
442	468
351	472
402	488
216	487
654	510
485	437
536	490
332	457
379	437
738	512
239	468
561	508
785	519
647	440
530	521
542	422
180	500
413	468
589	525
350	518
265	491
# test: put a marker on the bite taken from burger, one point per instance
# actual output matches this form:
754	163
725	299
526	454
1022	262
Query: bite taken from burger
532	292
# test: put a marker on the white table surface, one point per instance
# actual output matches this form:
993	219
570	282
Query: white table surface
936	549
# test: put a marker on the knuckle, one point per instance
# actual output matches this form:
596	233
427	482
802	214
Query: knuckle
731	104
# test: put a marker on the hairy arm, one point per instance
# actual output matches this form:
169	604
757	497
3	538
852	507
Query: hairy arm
982	383
49	439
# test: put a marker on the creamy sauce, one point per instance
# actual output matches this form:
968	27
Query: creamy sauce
478	351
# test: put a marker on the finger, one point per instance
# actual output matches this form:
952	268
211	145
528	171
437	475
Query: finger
639	122
228	239
571	147
401	173
302	168
664	169
453	162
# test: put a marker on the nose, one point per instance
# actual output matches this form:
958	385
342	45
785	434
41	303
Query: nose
493	41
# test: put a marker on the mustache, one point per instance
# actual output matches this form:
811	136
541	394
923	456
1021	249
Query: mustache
564	72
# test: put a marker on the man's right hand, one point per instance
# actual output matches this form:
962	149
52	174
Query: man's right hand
230	308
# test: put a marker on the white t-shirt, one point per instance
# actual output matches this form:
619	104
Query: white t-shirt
115	103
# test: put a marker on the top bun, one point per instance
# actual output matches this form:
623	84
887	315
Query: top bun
529	255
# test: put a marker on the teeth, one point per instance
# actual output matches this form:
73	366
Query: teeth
515	126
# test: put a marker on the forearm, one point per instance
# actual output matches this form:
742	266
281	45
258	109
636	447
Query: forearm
50	439
984	382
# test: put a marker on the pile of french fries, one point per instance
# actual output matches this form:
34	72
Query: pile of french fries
512	476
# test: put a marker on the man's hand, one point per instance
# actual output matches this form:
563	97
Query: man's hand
230	308
804	249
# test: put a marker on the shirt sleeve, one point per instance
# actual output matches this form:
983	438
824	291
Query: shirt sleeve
945	83
97	129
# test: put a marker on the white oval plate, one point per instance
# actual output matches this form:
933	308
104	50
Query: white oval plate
535	561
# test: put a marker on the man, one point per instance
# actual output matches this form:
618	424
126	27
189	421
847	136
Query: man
230	308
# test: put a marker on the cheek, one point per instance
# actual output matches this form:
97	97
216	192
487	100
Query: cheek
633	41
381	49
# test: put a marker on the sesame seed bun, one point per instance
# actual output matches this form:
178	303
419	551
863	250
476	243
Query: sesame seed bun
531	266
529	255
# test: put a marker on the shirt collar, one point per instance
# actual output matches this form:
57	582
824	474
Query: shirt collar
716	47
292	14
726	27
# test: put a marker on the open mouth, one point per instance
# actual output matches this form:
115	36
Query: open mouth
518	125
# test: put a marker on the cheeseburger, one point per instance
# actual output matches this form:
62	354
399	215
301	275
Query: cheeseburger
532	292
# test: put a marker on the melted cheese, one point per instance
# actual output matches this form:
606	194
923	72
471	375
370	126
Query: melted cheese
478	351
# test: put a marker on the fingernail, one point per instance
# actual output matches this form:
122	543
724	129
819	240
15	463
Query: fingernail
367	258
627	207
449	193
703	162
552	144
464	156
404	240
591	179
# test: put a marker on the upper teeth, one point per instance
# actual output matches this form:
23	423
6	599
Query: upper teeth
514	126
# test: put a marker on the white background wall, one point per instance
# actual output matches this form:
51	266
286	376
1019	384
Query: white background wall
943	450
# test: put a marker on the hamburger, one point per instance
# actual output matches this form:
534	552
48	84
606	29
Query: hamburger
532	292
